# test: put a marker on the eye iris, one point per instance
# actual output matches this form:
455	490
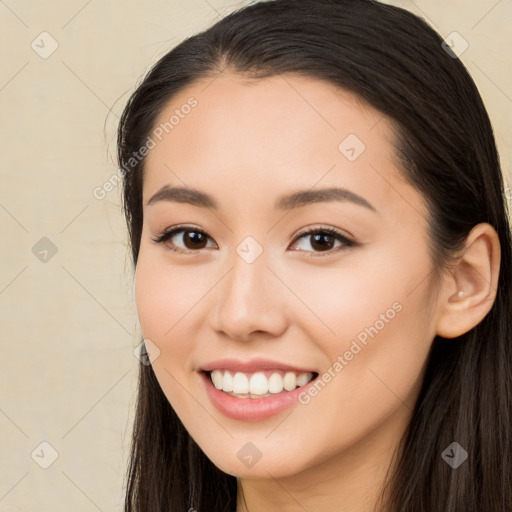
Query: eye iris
196	237
321	239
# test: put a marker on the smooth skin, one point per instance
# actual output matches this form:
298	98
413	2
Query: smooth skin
247	143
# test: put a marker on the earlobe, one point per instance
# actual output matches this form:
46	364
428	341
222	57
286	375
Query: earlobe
471	290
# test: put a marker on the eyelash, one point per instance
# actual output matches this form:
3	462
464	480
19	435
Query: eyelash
170	232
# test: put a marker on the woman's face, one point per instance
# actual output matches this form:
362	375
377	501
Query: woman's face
354	308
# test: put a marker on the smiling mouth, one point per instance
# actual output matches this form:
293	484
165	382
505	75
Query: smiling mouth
258	384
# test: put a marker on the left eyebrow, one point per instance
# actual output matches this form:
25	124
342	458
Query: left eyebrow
306	197
287	202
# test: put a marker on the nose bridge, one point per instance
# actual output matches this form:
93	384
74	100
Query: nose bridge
249	299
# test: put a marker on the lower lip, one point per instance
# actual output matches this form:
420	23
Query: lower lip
251	409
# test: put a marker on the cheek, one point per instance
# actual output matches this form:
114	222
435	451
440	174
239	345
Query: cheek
373	323
162	305
163	295
382	350
340	302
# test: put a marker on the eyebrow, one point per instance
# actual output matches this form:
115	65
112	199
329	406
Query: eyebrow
286	202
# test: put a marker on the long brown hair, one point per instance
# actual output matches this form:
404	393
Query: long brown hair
393	60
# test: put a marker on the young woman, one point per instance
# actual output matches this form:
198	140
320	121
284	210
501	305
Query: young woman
322	262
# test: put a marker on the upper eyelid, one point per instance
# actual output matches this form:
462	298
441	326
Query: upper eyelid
310	230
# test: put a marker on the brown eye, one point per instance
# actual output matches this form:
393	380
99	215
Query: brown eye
323	240
192	240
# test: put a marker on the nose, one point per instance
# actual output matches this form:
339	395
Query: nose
250	301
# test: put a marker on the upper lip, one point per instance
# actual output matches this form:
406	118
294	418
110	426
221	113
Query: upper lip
253	365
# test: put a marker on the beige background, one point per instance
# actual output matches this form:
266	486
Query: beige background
68	324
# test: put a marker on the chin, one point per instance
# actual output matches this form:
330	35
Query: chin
277	465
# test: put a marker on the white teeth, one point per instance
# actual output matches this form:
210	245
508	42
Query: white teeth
275	383
257	384
302	379
227	382
240	383
217	379
290	381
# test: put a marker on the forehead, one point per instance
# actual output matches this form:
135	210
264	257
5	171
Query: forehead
268	136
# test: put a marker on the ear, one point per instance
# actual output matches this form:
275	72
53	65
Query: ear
475	274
